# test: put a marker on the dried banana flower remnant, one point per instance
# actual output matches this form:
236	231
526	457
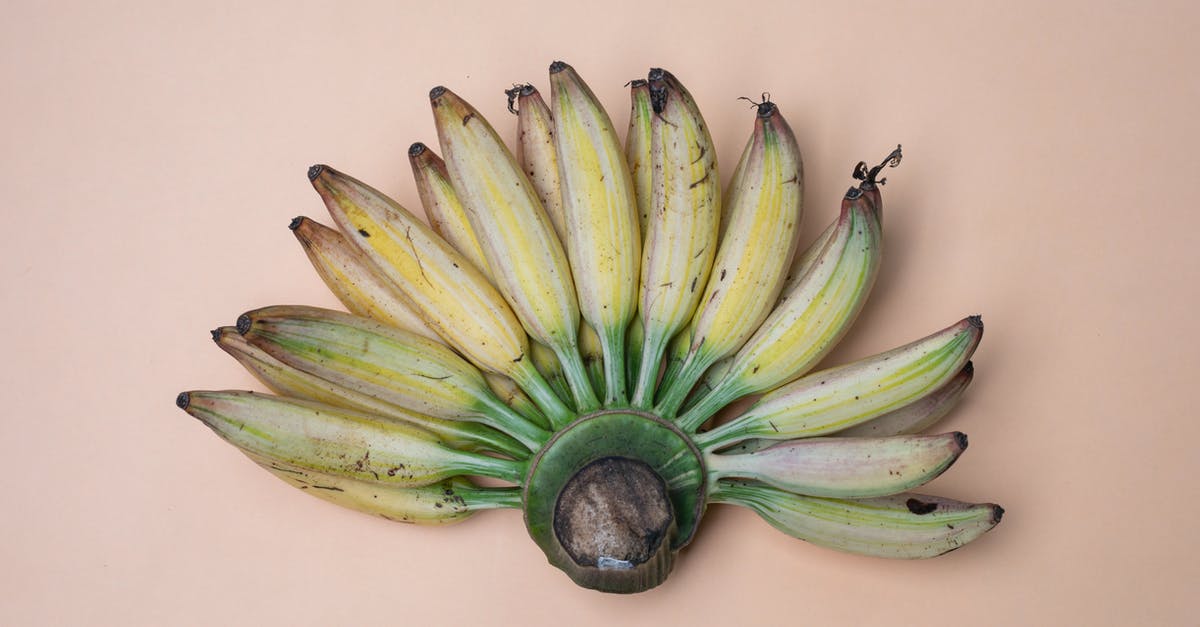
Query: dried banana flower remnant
571	323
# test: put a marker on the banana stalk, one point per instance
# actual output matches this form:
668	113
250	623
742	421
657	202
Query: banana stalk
391	365
449	501
843	467
529	265
831	400
536	153
764	210
603	240
286	380
904	526
681	229
332	440
809	320
452	296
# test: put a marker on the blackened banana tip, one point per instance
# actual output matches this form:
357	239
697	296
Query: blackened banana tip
997	513
557	67
975	321
436	92
183	400
243	324
969	369
216	335
315	171
416	149
637	83
960	439
767	109
296	222
853	193
656	74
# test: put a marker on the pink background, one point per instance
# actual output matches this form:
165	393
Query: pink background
153	157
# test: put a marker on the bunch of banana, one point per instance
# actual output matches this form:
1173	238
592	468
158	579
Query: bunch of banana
571	317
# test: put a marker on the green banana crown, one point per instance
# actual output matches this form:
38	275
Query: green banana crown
570	323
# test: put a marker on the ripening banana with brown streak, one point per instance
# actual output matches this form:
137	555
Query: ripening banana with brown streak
338	441
681	231
763	205
536	153
528	262
445	212
448	219
603	241
355	282
538	158
452	296
638	152
286	380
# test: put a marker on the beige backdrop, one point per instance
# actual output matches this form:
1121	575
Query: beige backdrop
154	155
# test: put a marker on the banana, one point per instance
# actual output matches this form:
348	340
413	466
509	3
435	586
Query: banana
536	153
394	366
288	381
452	296
681	229
910	419
903	526
364	291
518	241
336	441
918	415
763	205
831	400
603	241
638	153
442	207
844	467
810	319
449	501
352	278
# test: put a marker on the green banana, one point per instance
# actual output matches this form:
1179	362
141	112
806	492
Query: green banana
333	440
831	400
843	467
903	526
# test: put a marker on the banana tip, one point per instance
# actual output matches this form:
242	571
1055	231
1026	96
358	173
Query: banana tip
975	321
216	335
416	149
558	66
969	369
656	74
960	439
296	222
243	324
183	400
997	514
315	171
436	92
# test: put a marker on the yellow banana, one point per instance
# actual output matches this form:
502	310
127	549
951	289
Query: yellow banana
681	231
603	241
764	208
518	241
452	296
